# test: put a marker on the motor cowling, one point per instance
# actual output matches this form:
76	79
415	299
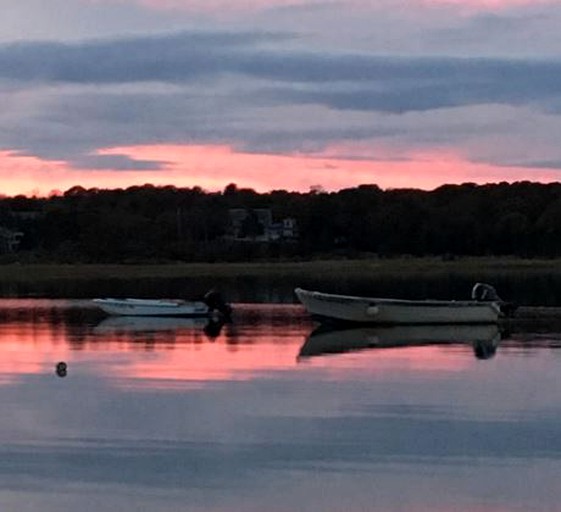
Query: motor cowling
215	302
483	292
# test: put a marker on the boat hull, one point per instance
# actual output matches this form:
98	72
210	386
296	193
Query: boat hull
152	308
349	309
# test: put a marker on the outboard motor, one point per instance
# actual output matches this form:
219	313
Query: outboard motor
216	302
483	292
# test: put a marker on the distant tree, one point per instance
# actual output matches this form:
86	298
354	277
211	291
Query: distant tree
150	223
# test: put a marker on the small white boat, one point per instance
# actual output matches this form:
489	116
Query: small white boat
344	308
205	307
148	307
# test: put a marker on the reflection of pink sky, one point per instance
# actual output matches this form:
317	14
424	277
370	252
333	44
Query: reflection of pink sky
212	362
186	358
214	167
27	348
386	361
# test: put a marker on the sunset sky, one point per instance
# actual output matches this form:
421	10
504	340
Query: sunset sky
276	94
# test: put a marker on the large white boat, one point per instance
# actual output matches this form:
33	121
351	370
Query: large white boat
345	308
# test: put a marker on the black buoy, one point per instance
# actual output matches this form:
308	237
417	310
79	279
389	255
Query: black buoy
61	369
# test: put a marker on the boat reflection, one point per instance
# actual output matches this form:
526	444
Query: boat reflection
324	340
146	324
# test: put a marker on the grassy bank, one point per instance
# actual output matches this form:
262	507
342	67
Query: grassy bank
526	281
315	269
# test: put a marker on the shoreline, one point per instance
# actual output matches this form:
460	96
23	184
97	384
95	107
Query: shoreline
527	282
29	272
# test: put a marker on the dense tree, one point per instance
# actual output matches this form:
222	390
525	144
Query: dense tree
148	223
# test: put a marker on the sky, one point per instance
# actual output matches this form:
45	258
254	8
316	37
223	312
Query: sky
278	94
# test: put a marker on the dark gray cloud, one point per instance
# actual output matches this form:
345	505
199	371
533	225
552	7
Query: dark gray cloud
349	81
539	164
172	57
402	85
303	8
250	91
116	162
70	125
313	140
488	27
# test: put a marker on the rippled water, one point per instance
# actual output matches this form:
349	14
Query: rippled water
271	414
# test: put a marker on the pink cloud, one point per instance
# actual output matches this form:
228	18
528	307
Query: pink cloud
32	176
486	4
213	5
243	5
213	167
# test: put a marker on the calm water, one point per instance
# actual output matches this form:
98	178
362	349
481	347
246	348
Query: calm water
264	415
528	288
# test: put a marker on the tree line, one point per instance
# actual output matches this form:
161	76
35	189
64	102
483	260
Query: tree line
158	224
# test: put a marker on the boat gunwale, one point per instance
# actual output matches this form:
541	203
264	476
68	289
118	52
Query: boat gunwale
373	301
147	303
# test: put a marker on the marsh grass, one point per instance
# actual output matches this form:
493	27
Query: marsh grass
319	268
531	280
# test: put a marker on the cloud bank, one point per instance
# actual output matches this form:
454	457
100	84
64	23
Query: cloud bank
420	78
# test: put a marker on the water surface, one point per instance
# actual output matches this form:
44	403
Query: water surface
270	413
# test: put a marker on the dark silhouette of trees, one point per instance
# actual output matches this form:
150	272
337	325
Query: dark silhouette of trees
156	224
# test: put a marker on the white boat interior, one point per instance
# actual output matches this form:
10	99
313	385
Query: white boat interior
346	308
209	304
149	307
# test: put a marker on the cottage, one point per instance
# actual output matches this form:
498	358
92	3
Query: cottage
9	240
256	225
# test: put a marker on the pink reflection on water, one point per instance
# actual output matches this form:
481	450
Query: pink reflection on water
262	342
158	352
29	348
